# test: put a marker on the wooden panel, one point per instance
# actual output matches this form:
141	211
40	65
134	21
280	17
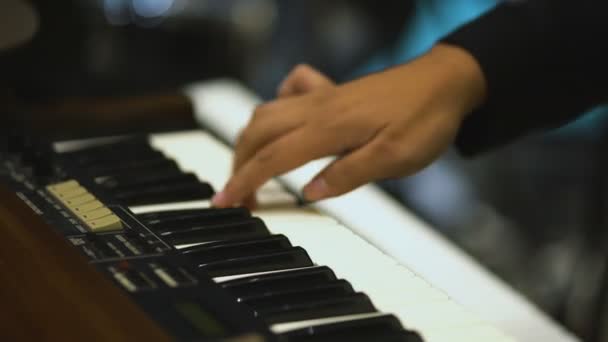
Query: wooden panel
48	292
72	118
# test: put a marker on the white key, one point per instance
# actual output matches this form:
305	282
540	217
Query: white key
392	288
351	258
211	161
225	106
476	333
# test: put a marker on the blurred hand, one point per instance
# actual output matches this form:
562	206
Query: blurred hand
301	80
385	125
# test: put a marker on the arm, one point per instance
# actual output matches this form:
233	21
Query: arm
388	124
543	62
504	67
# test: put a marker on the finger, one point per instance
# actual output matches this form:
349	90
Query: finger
285	154
353	170
250	202
270	122
302	79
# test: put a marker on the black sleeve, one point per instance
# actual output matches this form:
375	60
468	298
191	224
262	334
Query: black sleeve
545	62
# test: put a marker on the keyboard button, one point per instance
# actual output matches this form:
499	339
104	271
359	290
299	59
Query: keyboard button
104	224
63	186
80	200
70	193
87	207
95	214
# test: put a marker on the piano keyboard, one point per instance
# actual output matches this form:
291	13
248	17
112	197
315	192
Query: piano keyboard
355	268
225	106
305	274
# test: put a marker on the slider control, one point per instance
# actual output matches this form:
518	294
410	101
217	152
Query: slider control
78	200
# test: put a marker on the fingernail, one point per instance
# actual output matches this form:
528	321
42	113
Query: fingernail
219	200
316	190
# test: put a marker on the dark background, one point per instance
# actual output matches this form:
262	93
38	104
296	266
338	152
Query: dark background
533	212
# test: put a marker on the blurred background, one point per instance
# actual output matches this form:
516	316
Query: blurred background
533	212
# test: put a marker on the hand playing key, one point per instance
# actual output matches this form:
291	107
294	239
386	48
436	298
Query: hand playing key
388	124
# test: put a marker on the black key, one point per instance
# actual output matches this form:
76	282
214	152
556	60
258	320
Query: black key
377	329
171	227
223	250
127	143
133	167
190	218
294	257
300	294
165	193
248	228
94	159
279	281
356	303
123	182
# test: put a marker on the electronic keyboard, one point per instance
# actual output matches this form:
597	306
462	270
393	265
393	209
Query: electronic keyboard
137	210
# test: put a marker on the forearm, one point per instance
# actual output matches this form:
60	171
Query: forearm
543	63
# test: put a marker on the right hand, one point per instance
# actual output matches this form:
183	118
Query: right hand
384	125
301	80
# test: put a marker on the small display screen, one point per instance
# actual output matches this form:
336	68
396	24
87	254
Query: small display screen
200	319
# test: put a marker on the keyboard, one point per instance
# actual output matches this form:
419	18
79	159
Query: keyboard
137	209
224	106
392	287
302	272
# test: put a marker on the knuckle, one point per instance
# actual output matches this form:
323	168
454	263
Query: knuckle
387	149
243	139
265	155
260	111
301	69
410	162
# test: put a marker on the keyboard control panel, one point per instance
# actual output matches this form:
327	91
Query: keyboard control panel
200	272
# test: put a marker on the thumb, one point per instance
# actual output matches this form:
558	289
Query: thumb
303	79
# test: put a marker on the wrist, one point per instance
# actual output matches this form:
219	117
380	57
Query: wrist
460	75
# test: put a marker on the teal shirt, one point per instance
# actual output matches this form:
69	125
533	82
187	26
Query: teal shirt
433	19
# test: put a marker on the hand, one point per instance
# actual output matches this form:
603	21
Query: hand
388	124
301	80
